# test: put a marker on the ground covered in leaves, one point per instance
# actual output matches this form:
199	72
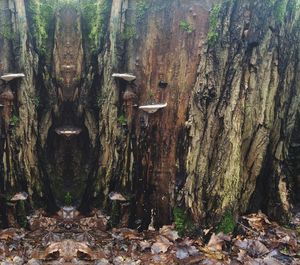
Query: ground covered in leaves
69	238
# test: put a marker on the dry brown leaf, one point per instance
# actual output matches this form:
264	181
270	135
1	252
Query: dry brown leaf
161	246
144	245
216	242
258	221
130	234
94	222
9	233
69	249
193	260
68	212
271	261
256	248
212	254
242	255
169	232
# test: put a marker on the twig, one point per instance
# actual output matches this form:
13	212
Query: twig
248	228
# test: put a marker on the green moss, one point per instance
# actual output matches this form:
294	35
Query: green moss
150	95
185	26
182	220
95	13
129	32
35	100
15	120
122	119
213	35
21	214
101	100
6	32
227	223
142	7
41	15
68	199
60	79
115	214
280	10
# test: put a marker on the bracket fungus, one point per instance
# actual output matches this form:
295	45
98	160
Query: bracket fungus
153	108
9	77
114	196
20	196
68	131
126	77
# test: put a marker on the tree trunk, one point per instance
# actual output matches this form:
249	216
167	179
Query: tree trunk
226	141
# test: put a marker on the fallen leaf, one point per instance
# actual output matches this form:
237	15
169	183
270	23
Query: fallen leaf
182	253
9	233
256	248
144	245
169	232
216	242
161	246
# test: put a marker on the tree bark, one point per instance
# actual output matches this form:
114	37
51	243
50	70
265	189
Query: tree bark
227	140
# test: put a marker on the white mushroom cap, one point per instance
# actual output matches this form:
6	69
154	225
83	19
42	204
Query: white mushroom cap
153	108
126	77
114	196
9	77
20	196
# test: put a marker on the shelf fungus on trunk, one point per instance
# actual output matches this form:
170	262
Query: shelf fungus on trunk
153	108
126	77
68	131
10	77
20	196
115	196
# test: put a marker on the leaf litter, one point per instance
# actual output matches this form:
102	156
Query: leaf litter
69	238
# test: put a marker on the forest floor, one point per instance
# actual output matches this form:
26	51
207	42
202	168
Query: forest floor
69	238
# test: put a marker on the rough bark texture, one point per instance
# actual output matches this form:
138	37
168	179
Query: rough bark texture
18	144
227	140
241	135
144	157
